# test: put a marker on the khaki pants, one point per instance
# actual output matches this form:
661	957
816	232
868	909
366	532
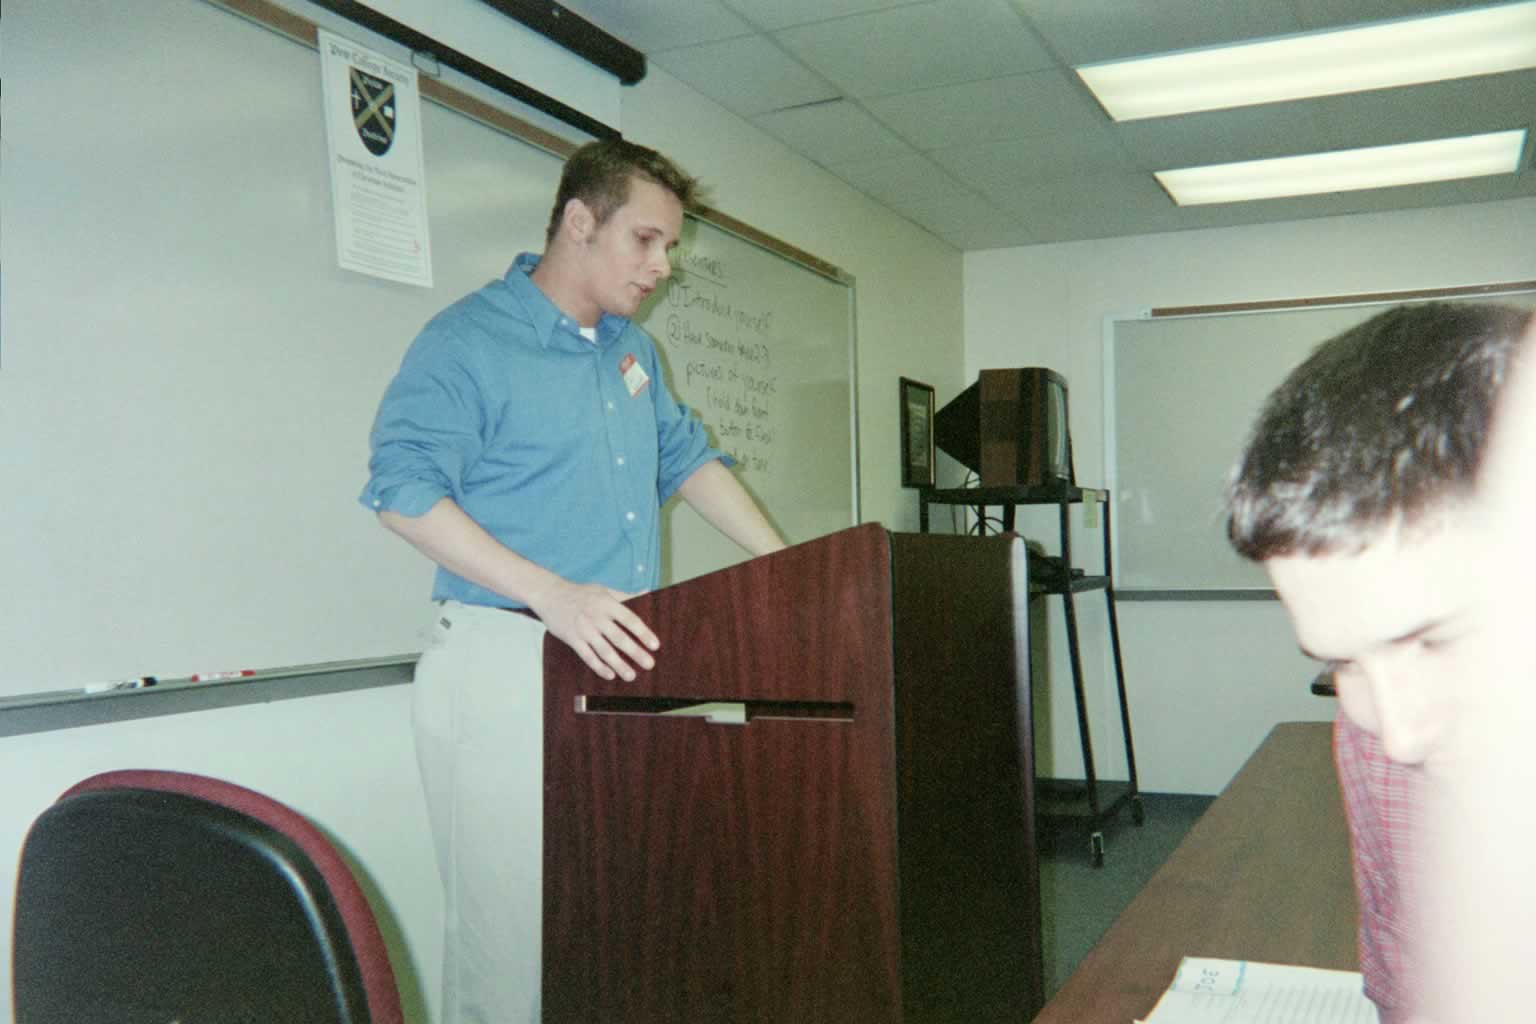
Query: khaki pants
478	714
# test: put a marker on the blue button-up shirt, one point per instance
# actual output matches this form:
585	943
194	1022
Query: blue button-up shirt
561	448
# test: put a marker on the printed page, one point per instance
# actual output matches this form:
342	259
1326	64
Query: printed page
1207	991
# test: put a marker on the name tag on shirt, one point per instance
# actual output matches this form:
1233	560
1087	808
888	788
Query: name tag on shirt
635	377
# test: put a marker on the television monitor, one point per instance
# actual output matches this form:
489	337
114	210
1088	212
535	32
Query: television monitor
1010	428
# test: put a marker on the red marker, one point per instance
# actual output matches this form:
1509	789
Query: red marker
209	677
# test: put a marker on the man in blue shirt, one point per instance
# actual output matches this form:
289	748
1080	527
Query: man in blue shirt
526	446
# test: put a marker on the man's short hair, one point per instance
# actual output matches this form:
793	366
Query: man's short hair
599	174
1382	425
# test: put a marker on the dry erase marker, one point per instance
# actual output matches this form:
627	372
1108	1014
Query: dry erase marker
125	684
211	677
135	684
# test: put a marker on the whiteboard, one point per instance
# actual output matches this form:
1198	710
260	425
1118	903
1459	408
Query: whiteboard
761	349
1184	392
187	379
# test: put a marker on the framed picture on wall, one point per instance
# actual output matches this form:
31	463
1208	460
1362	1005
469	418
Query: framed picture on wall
916	434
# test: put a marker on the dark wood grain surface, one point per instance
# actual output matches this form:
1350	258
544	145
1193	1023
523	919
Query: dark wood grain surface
970	878
706	872
1264	875
861	851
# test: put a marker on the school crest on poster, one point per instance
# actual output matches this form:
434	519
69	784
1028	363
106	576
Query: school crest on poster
373	110
378	190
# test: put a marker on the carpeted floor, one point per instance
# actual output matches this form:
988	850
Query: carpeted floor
1079	902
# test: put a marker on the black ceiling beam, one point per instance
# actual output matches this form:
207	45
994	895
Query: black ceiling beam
445	55
578	35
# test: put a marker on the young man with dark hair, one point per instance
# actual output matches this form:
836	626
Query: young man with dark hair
1355	492
526	446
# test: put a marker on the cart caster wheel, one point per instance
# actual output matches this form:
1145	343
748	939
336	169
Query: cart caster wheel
1096	849
1138	811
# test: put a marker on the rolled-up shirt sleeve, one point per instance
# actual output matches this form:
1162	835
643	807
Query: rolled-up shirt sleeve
682	442
429	427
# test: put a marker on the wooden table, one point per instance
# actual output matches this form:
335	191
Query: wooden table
1264	875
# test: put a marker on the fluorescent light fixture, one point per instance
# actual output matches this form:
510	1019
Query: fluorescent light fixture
1409	52
1412	163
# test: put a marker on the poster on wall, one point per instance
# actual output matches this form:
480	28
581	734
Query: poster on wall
378	184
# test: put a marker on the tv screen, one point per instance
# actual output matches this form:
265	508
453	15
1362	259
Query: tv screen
1010	428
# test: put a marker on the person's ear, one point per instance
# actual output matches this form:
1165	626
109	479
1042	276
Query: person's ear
579	220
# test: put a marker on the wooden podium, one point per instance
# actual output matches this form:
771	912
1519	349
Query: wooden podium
817	808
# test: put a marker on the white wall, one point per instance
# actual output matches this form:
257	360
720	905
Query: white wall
346	759
1207	680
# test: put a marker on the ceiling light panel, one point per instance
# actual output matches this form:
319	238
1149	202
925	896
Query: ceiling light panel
1412	163
1485	41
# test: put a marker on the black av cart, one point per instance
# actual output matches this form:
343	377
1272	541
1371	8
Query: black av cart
1092	801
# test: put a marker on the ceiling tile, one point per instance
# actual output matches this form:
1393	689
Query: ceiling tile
1316	14
1077	207
1438	193
747	75
1085	31
1224	136
921	46
957	115
998	167
903	179
1437	110
992	235
779	14
1450	193
832	133
968	222
1016	106
654	25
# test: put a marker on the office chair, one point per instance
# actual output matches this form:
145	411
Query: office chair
152	897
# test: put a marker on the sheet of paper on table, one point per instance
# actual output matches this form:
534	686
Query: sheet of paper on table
1207	991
